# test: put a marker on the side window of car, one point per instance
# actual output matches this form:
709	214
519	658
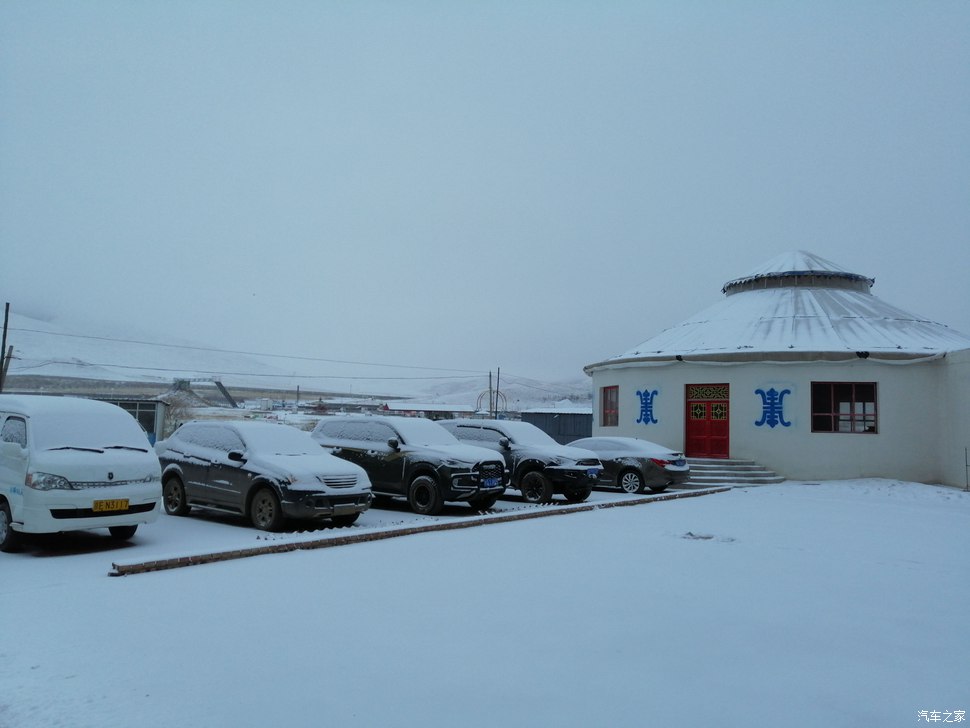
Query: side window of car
491	436
186	436
328	429
223	439
14	430
362	431
211	437
379	432
475	434
342	430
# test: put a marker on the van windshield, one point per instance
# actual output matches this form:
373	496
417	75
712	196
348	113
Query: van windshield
87	431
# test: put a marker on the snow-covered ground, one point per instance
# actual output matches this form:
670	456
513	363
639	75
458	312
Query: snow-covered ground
835	604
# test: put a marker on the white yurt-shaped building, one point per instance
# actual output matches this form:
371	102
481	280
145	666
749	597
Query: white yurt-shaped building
801	368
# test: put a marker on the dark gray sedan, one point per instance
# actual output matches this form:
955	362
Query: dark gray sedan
632	465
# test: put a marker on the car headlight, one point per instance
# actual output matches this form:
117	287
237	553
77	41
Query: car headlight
47	481
456	463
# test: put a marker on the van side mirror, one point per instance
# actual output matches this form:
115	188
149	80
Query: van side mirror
237	456
505	443
394	443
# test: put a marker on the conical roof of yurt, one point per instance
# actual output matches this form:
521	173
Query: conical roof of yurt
795	307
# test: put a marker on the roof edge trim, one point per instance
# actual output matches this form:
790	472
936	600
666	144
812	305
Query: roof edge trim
766	358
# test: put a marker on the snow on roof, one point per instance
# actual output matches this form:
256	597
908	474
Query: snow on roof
796	305
798	263
562	407
588	410
427	407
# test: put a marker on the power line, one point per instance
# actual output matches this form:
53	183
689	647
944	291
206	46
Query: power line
522	382
250	353
240	374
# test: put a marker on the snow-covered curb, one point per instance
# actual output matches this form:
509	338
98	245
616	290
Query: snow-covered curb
123	568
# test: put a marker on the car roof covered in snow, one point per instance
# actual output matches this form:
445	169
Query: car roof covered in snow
41	404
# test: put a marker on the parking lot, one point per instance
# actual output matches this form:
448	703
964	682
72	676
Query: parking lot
204	536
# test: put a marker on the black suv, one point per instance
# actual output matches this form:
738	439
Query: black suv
415	458
540	466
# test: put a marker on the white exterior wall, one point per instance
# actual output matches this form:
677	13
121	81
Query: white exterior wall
911	415
956	428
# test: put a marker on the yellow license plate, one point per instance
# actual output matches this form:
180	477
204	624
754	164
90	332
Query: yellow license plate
102	506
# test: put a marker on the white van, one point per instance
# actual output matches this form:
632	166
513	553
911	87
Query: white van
68	464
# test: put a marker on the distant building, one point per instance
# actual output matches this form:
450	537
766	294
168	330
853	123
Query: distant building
564	422
802	369
433	411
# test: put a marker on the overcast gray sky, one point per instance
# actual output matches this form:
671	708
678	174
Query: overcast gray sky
528	185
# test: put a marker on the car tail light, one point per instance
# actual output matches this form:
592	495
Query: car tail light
661	463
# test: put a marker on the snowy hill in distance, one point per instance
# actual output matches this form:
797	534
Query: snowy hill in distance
47	347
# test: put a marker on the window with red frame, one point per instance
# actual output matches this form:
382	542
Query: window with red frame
844	407
609	406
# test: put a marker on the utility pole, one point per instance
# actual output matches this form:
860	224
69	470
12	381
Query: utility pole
491	402
4	357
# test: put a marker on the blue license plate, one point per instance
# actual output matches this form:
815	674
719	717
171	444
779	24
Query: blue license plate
492	482
593	472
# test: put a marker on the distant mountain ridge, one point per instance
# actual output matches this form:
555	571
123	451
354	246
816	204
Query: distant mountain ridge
44	348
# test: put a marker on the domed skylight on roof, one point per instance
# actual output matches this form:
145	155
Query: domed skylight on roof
799	268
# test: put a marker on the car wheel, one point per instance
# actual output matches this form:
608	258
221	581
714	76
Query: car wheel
578	495
9	539
483	503
630	482
265	511
344	521
173	497
424	496
536	487
122	533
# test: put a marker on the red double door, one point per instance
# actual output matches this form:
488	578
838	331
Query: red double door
708	421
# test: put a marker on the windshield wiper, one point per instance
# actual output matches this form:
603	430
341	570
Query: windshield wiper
75	447
125	447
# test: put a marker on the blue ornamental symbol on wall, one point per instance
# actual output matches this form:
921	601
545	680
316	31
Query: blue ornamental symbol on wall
772	408
646	406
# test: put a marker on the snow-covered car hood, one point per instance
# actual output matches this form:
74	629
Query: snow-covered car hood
561	452
108	465
305	470
470	454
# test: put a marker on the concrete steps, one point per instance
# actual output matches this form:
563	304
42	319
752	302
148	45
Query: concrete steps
708	472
